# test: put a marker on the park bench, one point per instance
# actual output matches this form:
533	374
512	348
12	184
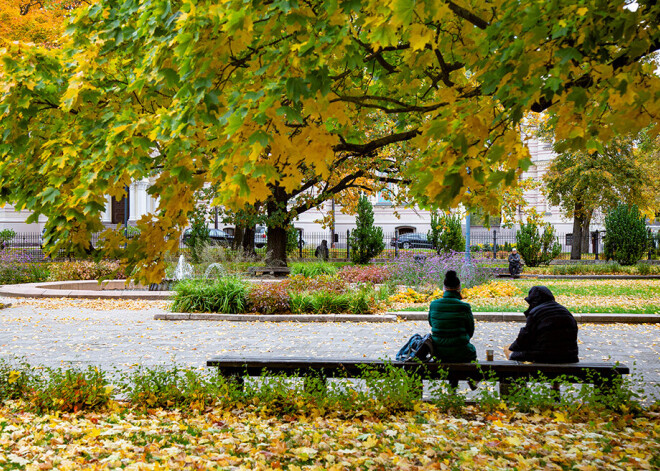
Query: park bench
601	375
274	271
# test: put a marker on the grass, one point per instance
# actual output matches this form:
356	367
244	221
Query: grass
579	296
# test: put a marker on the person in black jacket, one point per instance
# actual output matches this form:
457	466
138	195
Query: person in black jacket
550	334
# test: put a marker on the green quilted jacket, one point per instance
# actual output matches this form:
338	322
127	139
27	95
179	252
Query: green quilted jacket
452	327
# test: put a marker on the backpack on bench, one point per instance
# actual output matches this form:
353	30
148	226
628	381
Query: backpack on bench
417	347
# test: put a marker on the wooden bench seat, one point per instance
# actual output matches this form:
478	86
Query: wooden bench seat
274	271
506	372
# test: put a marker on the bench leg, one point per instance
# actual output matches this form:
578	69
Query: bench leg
237	380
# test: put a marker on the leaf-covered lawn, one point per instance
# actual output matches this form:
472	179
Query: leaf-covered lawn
579	296
244	439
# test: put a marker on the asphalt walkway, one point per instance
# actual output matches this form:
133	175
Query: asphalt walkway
67	335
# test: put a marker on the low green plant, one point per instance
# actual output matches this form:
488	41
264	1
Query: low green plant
17	380
360	301
72	390
445	397
643	268
18	272
227	295
393	389
269	298
176	388
313	269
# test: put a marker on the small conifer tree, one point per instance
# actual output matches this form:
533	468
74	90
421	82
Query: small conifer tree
626	238
366	240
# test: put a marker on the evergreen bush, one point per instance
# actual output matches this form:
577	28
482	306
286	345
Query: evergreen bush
446	233
536	248
366	240
626	238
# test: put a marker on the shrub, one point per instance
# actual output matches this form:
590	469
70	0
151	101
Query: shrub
446	233
226	295
6	236
314	269
626	238
361	301
72	391
535	248
365	274
16	380
366	240
20	267
175	388
86	270
269	298
329	283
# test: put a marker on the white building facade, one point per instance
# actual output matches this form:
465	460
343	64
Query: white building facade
393	220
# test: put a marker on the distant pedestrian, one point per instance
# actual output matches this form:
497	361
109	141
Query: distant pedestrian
515	263
322	251
550	333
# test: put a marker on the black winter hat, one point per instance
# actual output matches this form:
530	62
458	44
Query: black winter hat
451	280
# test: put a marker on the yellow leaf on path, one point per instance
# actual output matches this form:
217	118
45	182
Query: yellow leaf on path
515	441
560	417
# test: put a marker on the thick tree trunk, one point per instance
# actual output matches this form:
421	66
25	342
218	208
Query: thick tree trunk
585	234
276	245
248	241
576	247
238	238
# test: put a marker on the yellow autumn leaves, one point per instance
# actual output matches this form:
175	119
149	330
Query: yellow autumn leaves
243	439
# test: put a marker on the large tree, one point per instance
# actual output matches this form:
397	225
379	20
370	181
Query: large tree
584	182
256	98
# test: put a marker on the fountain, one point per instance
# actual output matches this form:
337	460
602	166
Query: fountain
220	270
183	271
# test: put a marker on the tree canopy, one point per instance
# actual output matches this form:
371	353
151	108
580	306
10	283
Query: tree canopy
582	182
257	97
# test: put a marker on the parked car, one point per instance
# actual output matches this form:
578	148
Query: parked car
411	240
260	237
216	236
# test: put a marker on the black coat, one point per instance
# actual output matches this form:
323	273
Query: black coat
550	334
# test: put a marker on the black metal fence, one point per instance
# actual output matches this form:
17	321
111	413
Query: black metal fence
496	243
491	244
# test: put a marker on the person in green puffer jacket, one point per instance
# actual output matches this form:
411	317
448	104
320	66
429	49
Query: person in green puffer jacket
452	324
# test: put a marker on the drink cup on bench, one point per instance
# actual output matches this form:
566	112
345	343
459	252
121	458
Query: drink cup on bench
489	355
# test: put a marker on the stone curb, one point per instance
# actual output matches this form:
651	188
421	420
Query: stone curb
399	316
519	317
177	316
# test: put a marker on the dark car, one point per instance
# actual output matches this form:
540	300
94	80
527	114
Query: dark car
216	237
260	237
412	240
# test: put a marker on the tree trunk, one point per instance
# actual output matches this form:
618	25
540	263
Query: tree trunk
248	241
276	245
586	234
576	246
238	238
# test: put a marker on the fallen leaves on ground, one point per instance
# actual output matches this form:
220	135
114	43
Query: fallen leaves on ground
243	439
96	304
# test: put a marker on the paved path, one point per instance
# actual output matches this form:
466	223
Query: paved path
63	336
